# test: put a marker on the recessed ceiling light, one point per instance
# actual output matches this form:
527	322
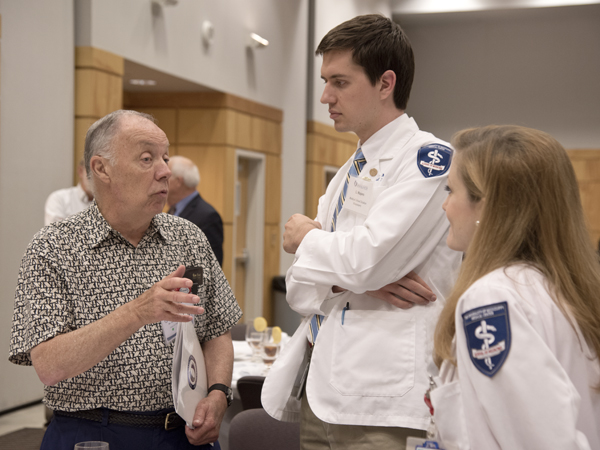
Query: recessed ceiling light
139	82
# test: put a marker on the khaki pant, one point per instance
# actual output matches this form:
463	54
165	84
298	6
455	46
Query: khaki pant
318	435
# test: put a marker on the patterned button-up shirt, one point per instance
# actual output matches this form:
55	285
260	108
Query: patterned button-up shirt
79	270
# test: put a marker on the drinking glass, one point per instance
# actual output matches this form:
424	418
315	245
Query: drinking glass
92	445
269	349
254	340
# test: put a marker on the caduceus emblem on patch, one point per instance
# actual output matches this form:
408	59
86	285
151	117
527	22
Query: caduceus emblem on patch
488	336
434	160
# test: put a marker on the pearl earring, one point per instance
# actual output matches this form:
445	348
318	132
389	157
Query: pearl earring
476	222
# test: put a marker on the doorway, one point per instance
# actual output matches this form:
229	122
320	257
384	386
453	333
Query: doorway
248	232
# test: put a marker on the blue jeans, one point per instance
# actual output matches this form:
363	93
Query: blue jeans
64	432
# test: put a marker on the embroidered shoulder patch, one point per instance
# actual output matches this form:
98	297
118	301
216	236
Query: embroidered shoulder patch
488	336
434	160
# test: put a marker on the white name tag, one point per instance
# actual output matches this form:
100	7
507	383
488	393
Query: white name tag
169	330
359	196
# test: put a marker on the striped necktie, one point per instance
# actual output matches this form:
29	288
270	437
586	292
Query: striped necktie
357	164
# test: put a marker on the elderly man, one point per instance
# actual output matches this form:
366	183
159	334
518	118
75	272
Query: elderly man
185	201
94	288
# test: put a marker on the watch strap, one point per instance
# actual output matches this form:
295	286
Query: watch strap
223	388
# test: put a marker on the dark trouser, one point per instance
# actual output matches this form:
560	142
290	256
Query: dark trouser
64	432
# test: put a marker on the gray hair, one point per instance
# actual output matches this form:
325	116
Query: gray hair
182	167
99	136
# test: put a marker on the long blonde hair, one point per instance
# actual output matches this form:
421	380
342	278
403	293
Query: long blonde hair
532	214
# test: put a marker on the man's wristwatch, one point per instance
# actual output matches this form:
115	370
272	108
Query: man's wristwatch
225	389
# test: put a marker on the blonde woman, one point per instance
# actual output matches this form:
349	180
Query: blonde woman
518	340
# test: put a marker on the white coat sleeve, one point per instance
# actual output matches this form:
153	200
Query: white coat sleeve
404	225
530	401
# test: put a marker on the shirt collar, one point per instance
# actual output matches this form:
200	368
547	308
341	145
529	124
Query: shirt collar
401	129
181	204
99	230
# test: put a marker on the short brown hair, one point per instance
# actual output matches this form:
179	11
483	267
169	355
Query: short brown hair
377	44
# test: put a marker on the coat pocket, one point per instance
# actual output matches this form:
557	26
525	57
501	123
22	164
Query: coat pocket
374	354
450	417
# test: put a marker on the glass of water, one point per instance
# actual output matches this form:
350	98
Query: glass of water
254	340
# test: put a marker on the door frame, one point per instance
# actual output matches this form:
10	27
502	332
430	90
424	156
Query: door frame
255	231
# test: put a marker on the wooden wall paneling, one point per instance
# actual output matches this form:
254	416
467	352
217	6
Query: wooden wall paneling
216	100
344	150
273	190
203	126
321	149
97	93
239	129
265	135
586	164
272	246
217	171
96	58
165	119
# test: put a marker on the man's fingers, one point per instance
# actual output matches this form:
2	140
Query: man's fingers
418	287
178	317
317	224
409	296
413	276
177	272
200	414
175	283
391	299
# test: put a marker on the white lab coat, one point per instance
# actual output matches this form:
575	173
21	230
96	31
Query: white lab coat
541	397
372	370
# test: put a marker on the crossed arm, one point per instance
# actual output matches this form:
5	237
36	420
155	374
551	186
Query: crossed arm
404	293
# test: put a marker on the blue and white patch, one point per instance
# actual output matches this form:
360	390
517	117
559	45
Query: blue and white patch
488	336
192	372
434	160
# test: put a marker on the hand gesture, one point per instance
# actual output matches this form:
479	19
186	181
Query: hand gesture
163	301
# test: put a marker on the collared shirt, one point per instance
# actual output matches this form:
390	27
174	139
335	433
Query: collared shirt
79	270
181	204
373	146
64	203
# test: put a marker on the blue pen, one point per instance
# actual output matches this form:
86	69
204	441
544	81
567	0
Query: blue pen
346	308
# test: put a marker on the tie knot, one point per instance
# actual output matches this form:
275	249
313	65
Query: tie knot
359	155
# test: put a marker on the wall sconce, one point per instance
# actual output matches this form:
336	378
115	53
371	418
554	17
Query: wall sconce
257	41
208	32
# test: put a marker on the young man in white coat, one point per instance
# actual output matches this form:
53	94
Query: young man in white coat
379	225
